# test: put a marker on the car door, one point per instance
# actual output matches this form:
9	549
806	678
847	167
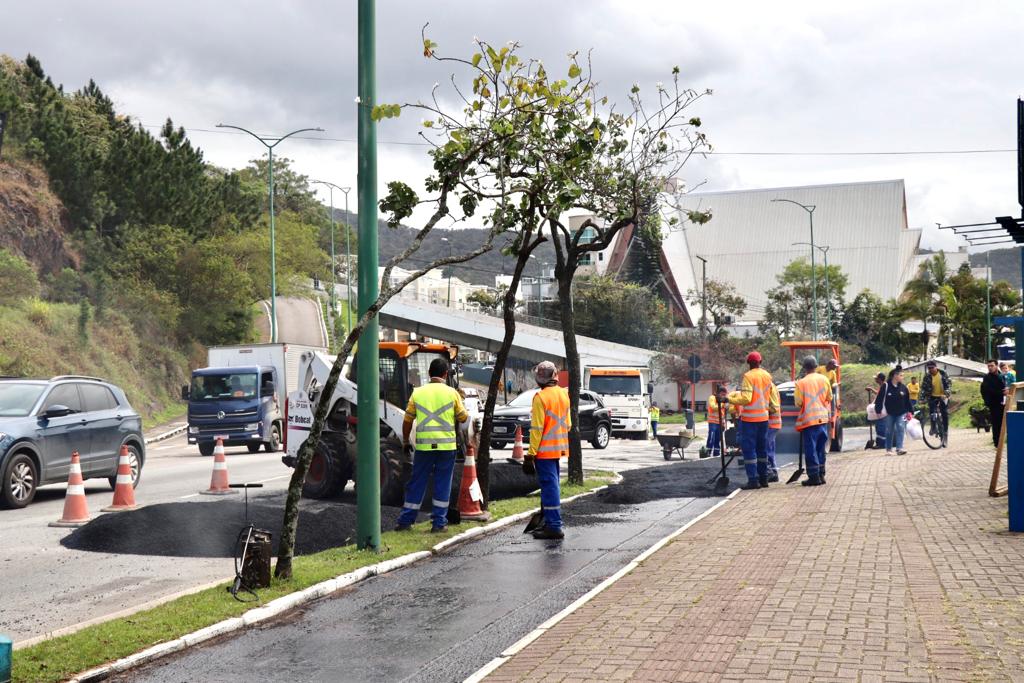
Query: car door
59	436
103	424
588	404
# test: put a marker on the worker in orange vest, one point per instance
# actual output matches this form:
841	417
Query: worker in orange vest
715	426
549	443
813	398
774	425
755	397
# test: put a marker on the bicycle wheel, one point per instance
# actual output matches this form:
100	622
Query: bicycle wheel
931	438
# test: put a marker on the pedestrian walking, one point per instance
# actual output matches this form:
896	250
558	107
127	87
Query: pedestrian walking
993	393
717	416
655	418
914	389
549	443
937	389
1009	377
813	398
895	400
774	425
872	395
756	403
435	407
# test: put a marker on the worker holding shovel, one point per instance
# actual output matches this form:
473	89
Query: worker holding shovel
757	403
813	398
549	443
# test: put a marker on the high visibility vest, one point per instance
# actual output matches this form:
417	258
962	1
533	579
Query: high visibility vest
815	409
761	385
775	421
713	411
554	440
435	417
655	414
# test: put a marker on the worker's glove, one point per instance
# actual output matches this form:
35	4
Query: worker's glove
529	466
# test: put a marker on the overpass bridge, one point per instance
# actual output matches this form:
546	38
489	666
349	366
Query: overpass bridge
484	332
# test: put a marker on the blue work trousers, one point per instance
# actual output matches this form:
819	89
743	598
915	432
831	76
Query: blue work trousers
654	428
770	447
815	444
427	465
754	444
714	439
550	492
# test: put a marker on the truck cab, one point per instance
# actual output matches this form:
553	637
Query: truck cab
239	404
625	391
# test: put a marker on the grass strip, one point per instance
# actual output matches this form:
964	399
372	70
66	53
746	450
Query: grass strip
61	658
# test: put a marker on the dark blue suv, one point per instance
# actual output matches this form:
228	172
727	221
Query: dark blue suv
43	421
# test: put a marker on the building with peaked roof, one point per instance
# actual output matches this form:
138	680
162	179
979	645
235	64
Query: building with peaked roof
750	240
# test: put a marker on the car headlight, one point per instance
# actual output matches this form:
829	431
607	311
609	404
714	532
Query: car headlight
254	427
193	430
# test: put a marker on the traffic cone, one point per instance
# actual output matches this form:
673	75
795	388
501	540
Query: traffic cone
124	492
470	494
517	448
219	479
76	512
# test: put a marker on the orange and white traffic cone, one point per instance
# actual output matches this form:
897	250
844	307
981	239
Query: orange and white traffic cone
517	448
76	512
124	491
219	479
470	494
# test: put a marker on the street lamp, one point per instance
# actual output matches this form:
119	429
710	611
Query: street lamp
445	239
334	265
348	262
265	141
703	297
809	208
828	297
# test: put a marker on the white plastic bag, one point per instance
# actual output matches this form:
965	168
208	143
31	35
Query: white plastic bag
914	429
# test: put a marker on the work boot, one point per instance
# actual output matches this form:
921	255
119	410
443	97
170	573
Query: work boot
403	527
763	481
438	529
547	533
750	485
814	480
773	477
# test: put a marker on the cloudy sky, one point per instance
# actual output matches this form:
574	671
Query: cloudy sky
794	82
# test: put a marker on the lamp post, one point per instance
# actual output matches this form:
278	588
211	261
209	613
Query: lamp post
445	239
703	297
334	279
348	262
828	296
265	141
809	208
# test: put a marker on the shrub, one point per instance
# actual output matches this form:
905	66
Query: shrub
17	279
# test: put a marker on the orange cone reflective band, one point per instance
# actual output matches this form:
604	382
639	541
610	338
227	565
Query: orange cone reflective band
76	512
517	448
124	490
219	478
470	495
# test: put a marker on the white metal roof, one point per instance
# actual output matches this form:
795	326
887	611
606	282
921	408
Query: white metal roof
749	239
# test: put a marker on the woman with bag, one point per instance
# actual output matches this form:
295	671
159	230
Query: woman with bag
894	399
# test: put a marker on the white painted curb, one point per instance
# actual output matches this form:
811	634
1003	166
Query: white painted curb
489	668
323	323
166	435
280	605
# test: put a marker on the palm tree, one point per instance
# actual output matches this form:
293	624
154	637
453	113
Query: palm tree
922	295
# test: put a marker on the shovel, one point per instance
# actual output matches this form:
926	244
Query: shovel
723	479
536	522
800	461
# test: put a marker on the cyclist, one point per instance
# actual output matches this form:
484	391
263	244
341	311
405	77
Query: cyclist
937	387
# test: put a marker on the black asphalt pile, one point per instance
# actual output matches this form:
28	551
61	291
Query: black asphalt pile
679	480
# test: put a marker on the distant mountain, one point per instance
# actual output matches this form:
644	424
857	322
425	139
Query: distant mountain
1005	264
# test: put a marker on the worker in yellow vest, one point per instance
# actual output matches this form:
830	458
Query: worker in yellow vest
774	425
717	416
549	443
813	398
755	397
435	408
655	418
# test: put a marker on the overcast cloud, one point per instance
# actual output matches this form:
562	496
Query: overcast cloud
787	77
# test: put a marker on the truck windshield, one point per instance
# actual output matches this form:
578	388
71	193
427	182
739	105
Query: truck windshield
220	387
615	385
17	399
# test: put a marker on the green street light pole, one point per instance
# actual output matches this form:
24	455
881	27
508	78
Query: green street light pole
265	141
449	304
334	280
809	208
368	436
828	296
348	261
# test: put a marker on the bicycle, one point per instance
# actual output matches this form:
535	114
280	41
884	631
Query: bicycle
934	430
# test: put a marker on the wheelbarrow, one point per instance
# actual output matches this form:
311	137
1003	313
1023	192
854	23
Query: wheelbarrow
674	443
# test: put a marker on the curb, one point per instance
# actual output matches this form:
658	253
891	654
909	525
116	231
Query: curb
166	435
280	605
533	635
323	323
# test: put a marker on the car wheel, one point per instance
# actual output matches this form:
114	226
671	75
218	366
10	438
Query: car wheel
20	480
134	462
274	445
602	435
206	449
498	445
253	447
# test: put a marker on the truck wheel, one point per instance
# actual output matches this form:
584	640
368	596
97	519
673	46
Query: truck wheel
392	483
836	445
206	449
274	445
326	476
253	447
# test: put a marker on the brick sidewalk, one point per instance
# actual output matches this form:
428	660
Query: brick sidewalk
899	569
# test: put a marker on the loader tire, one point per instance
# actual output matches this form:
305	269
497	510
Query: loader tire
392	473
328	471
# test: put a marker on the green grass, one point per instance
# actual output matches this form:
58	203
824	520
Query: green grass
680	418
61	658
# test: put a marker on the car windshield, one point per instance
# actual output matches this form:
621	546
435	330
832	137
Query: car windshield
17	399
226	386
615	385
524	400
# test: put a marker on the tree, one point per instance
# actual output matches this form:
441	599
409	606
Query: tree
874	325
620	312
921	294
790	307
722	302
489	301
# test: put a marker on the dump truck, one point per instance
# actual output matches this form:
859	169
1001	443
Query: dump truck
626	392
403	367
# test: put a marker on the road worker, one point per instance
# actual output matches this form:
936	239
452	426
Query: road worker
717	415
829	369
435	407
655	418
813	399
774	425
549	443
755	397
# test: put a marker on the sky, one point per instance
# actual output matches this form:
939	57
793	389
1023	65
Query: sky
794	83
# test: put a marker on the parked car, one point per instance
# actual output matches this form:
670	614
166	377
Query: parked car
595	421
43	421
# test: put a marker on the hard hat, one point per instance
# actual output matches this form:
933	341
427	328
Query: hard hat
544	372
809	363
753	357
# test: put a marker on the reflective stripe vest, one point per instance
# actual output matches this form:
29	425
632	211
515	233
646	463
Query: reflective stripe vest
760	383
713	411
655	413
775	421
814	410
554	440
435	417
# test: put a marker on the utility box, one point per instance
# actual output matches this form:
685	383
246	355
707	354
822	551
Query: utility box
1015	467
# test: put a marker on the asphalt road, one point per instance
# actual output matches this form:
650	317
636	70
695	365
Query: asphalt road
47	586
298	321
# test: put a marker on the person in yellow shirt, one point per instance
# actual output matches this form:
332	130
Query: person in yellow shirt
774	427
915	390
655	418
715	421
829	370
758	403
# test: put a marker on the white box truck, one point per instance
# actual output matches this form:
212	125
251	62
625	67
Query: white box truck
626	392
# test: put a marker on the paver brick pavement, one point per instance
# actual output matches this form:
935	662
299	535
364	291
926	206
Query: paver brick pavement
899	569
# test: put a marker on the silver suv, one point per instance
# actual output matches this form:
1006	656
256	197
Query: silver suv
43	421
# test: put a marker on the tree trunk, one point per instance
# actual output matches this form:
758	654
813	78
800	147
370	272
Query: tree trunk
572	361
